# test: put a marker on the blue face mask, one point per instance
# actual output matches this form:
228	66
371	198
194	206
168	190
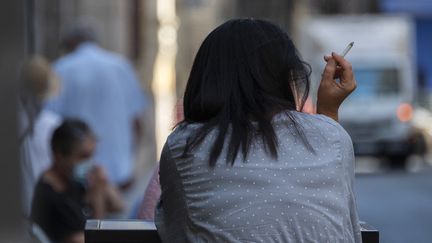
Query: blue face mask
81	171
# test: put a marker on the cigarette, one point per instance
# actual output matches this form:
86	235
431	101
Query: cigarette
347	49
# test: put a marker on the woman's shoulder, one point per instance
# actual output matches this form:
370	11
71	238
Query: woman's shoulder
181	132
303	116
312	122
178	138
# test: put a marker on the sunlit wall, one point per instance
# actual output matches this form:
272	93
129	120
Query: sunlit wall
163	84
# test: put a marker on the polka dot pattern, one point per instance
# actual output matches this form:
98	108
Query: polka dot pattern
302	196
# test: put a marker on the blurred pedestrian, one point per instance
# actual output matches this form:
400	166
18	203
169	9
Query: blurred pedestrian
246	164
147	205
37	124
102	89
74	188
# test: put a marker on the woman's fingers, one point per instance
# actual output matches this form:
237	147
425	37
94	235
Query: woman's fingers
329	70
342	71
341	61
338	68
347	71
332	93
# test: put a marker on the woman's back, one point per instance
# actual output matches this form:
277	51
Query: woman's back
302	196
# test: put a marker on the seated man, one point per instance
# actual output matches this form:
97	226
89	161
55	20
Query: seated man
73	189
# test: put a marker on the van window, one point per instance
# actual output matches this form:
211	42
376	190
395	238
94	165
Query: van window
372	83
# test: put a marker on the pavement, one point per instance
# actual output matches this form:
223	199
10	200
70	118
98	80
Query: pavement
397	203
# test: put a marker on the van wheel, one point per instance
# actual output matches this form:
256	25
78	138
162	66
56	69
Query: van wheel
397	162
420	146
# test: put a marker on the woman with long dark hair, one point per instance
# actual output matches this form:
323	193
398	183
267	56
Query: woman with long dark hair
246	164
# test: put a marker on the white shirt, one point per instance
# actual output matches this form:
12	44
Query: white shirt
37	155
101	88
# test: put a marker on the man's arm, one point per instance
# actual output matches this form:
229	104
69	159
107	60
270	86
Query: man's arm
101	195
113	200
137	130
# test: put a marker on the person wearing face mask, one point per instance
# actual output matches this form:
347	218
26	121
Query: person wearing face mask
74	188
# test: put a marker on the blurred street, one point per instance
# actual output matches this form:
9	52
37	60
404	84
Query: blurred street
126	70
397	203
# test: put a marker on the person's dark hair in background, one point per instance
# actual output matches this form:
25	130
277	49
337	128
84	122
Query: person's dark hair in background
68	135
260	76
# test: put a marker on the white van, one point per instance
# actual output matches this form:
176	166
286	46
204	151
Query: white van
378	114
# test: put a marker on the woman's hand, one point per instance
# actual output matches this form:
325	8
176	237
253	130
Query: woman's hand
331	93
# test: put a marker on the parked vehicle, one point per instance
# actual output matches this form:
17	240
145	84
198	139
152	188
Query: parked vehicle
378	115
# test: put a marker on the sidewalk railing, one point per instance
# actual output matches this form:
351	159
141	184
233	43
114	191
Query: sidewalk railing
138	231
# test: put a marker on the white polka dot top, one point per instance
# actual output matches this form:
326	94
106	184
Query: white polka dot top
305	195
